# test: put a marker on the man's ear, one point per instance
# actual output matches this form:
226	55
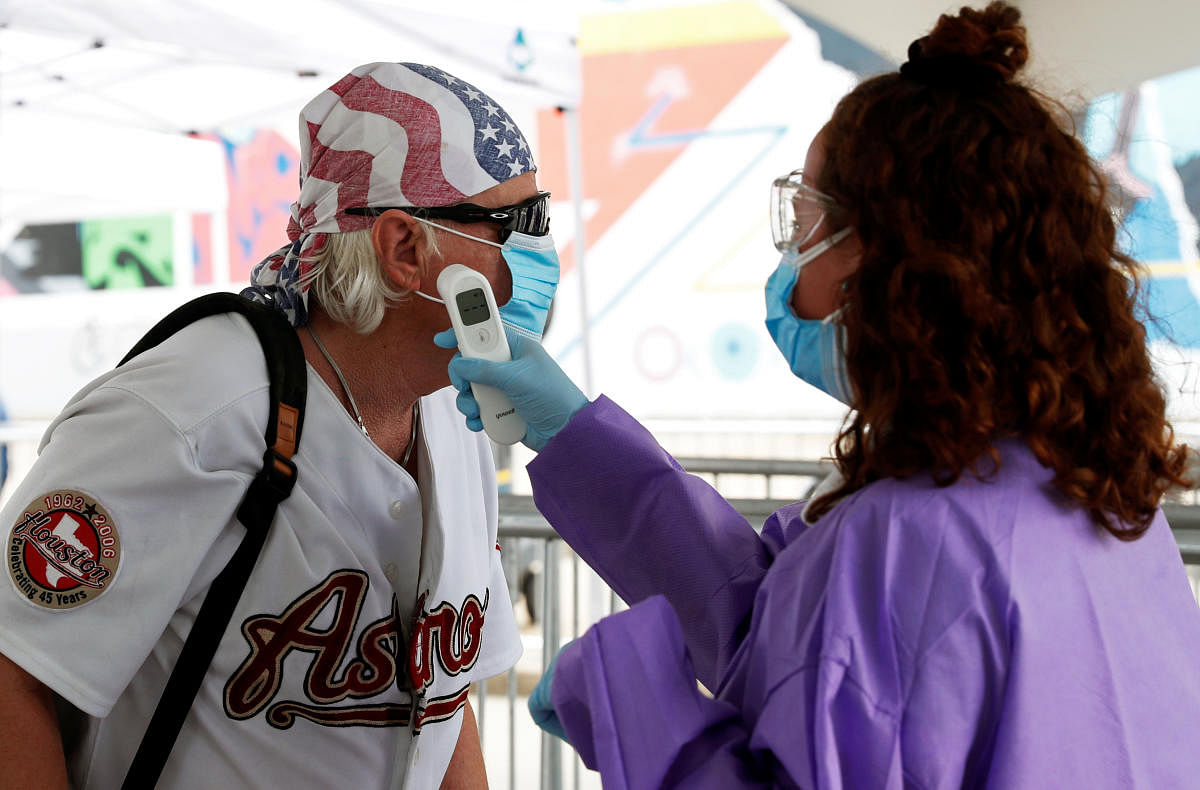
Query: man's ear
397	239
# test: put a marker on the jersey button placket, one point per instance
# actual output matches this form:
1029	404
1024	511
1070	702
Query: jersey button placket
418	712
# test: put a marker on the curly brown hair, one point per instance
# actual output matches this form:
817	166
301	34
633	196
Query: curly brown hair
992	299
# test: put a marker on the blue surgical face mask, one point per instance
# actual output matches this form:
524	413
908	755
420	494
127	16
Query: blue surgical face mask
533	262
814	349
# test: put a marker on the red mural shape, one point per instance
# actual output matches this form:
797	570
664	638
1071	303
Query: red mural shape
263	174
619	91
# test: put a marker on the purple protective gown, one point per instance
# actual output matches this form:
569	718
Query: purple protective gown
987	634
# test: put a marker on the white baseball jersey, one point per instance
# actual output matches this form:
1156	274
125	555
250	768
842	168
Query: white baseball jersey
370	584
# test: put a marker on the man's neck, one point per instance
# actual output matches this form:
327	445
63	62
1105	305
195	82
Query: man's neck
386	371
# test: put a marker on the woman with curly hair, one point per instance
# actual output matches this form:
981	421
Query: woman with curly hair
986	592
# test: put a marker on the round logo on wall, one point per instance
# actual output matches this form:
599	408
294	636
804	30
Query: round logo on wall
63	551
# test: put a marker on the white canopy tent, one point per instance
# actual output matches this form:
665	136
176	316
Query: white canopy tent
204	64
173	65
83	85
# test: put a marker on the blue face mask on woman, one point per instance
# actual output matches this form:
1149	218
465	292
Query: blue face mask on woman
533	262
814	349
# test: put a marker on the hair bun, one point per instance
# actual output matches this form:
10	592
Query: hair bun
974	46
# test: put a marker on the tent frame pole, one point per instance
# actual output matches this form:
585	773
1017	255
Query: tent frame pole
575	178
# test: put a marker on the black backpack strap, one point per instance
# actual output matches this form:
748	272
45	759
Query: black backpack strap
288	390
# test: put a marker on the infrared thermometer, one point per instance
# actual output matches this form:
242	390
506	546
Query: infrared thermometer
476	322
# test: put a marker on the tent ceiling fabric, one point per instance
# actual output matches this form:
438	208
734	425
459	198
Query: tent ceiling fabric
201	64
1081	49
205	64
179	65
86	87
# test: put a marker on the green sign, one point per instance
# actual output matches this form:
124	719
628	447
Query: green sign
132	252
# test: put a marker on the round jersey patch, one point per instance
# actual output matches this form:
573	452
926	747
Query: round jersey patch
63	551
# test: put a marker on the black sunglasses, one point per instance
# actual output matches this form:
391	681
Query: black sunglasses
529	216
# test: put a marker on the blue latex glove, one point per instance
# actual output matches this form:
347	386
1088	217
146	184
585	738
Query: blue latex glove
540	707
543	395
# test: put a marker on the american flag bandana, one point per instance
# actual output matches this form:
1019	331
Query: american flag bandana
386	134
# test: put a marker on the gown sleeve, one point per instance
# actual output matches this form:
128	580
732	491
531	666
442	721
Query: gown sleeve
626	696
628	701
866	652
647	527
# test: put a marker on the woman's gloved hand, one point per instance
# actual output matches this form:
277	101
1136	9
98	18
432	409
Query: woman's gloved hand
543	395
540	707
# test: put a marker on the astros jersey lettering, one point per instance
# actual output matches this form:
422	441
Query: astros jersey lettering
375	604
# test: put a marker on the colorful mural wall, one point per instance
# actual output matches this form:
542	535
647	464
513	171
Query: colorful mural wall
1148	140
81	293
686	121
100	254
262	170
687	115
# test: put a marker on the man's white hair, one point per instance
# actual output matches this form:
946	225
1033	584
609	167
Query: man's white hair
348	280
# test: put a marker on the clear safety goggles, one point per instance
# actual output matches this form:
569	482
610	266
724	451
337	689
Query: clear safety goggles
797	211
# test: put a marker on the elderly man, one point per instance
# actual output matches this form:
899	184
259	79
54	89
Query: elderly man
379	596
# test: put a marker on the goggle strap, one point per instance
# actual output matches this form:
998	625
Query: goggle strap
819	248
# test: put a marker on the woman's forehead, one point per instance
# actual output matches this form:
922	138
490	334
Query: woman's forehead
814	158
